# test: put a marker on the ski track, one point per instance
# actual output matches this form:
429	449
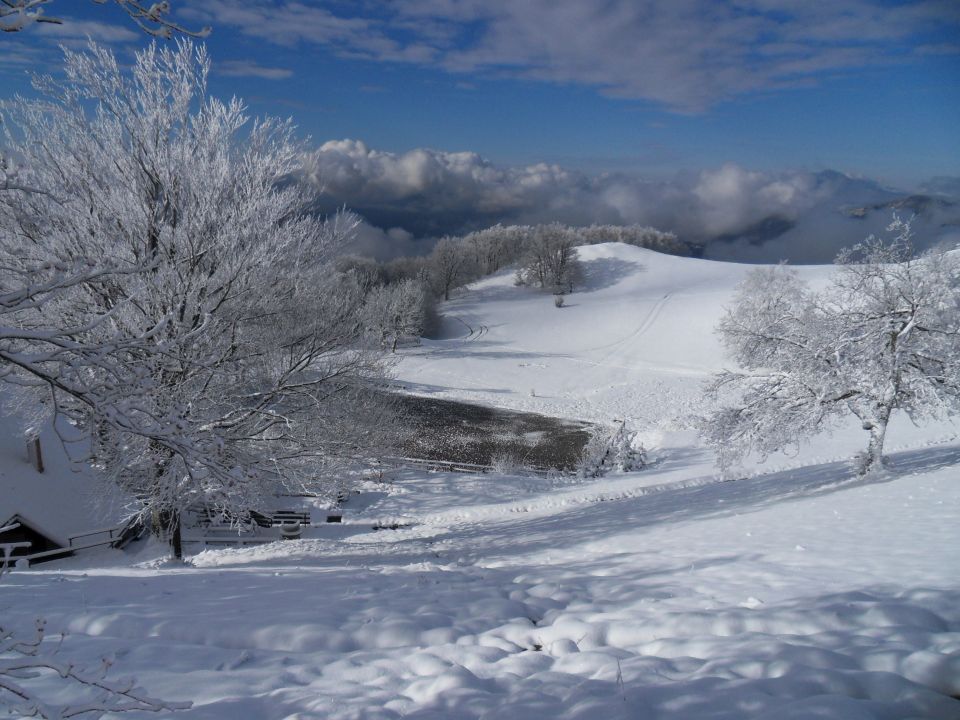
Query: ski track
645	325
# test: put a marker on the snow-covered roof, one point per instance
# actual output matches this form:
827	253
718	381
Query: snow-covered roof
62	501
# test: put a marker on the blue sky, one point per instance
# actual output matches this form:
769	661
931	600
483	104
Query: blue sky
864	87
703	117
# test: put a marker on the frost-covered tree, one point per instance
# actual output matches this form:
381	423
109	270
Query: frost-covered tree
883	336
153	18
487	249
549	259
367	272
639	235
447	266
164	286
396	311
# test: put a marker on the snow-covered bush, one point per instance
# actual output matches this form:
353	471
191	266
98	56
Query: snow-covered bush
505	463
628	453
883	336
616	449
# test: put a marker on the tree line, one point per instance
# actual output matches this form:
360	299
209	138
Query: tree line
401	295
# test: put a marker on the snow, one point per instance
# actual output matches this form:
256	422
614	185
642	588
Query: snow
796	591
62	501
633	342
636	342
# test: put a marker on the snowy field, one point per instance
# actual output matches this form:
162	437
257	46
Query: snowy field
795	591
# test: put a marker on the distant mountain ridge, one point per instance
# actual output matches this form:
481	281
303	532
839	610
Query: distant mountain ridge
916	204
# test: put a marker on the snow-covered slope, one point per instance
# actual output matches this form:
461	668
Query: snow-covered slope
662	595
636	342
62	501
799	591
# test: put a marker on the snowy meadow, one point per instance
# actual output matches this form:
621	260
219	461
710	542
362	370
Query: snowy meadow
225	512
799	589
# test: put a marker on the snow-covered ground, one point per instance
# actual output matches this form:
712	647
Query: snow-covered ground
797	591
636	343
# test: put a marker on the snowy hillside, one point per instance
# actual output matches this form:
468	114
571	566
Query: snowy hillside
635	343
797	591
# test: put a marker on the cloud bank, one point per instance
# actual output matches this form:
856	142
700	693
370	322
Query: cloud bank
734	212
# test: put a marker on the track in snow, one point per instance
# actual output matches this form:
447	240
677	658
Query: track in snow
649	320
472	334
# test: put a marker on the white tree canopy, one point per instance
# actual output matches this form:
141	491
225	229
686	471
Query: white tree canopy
163	284
549	258
397	311
883	336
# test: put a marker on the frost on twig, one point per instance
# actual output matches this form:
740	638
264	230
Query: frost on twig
153	19
27	667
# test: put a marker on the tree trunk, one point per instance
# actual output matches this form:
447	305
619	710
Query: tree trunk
873	458
176	538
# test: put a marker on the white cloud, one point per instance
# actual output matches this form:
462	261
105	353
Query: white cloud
431	179
683	54
19	56
741	214
36	48
80	30
383	245
245	68
434	192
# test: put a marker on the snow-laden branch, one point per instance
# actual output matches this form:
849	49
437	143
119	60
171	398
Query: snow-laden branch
153	19
26	665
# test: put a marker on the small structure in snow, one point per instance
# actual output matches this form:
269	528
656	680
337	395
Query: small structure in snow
23	531
35	452
57	502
